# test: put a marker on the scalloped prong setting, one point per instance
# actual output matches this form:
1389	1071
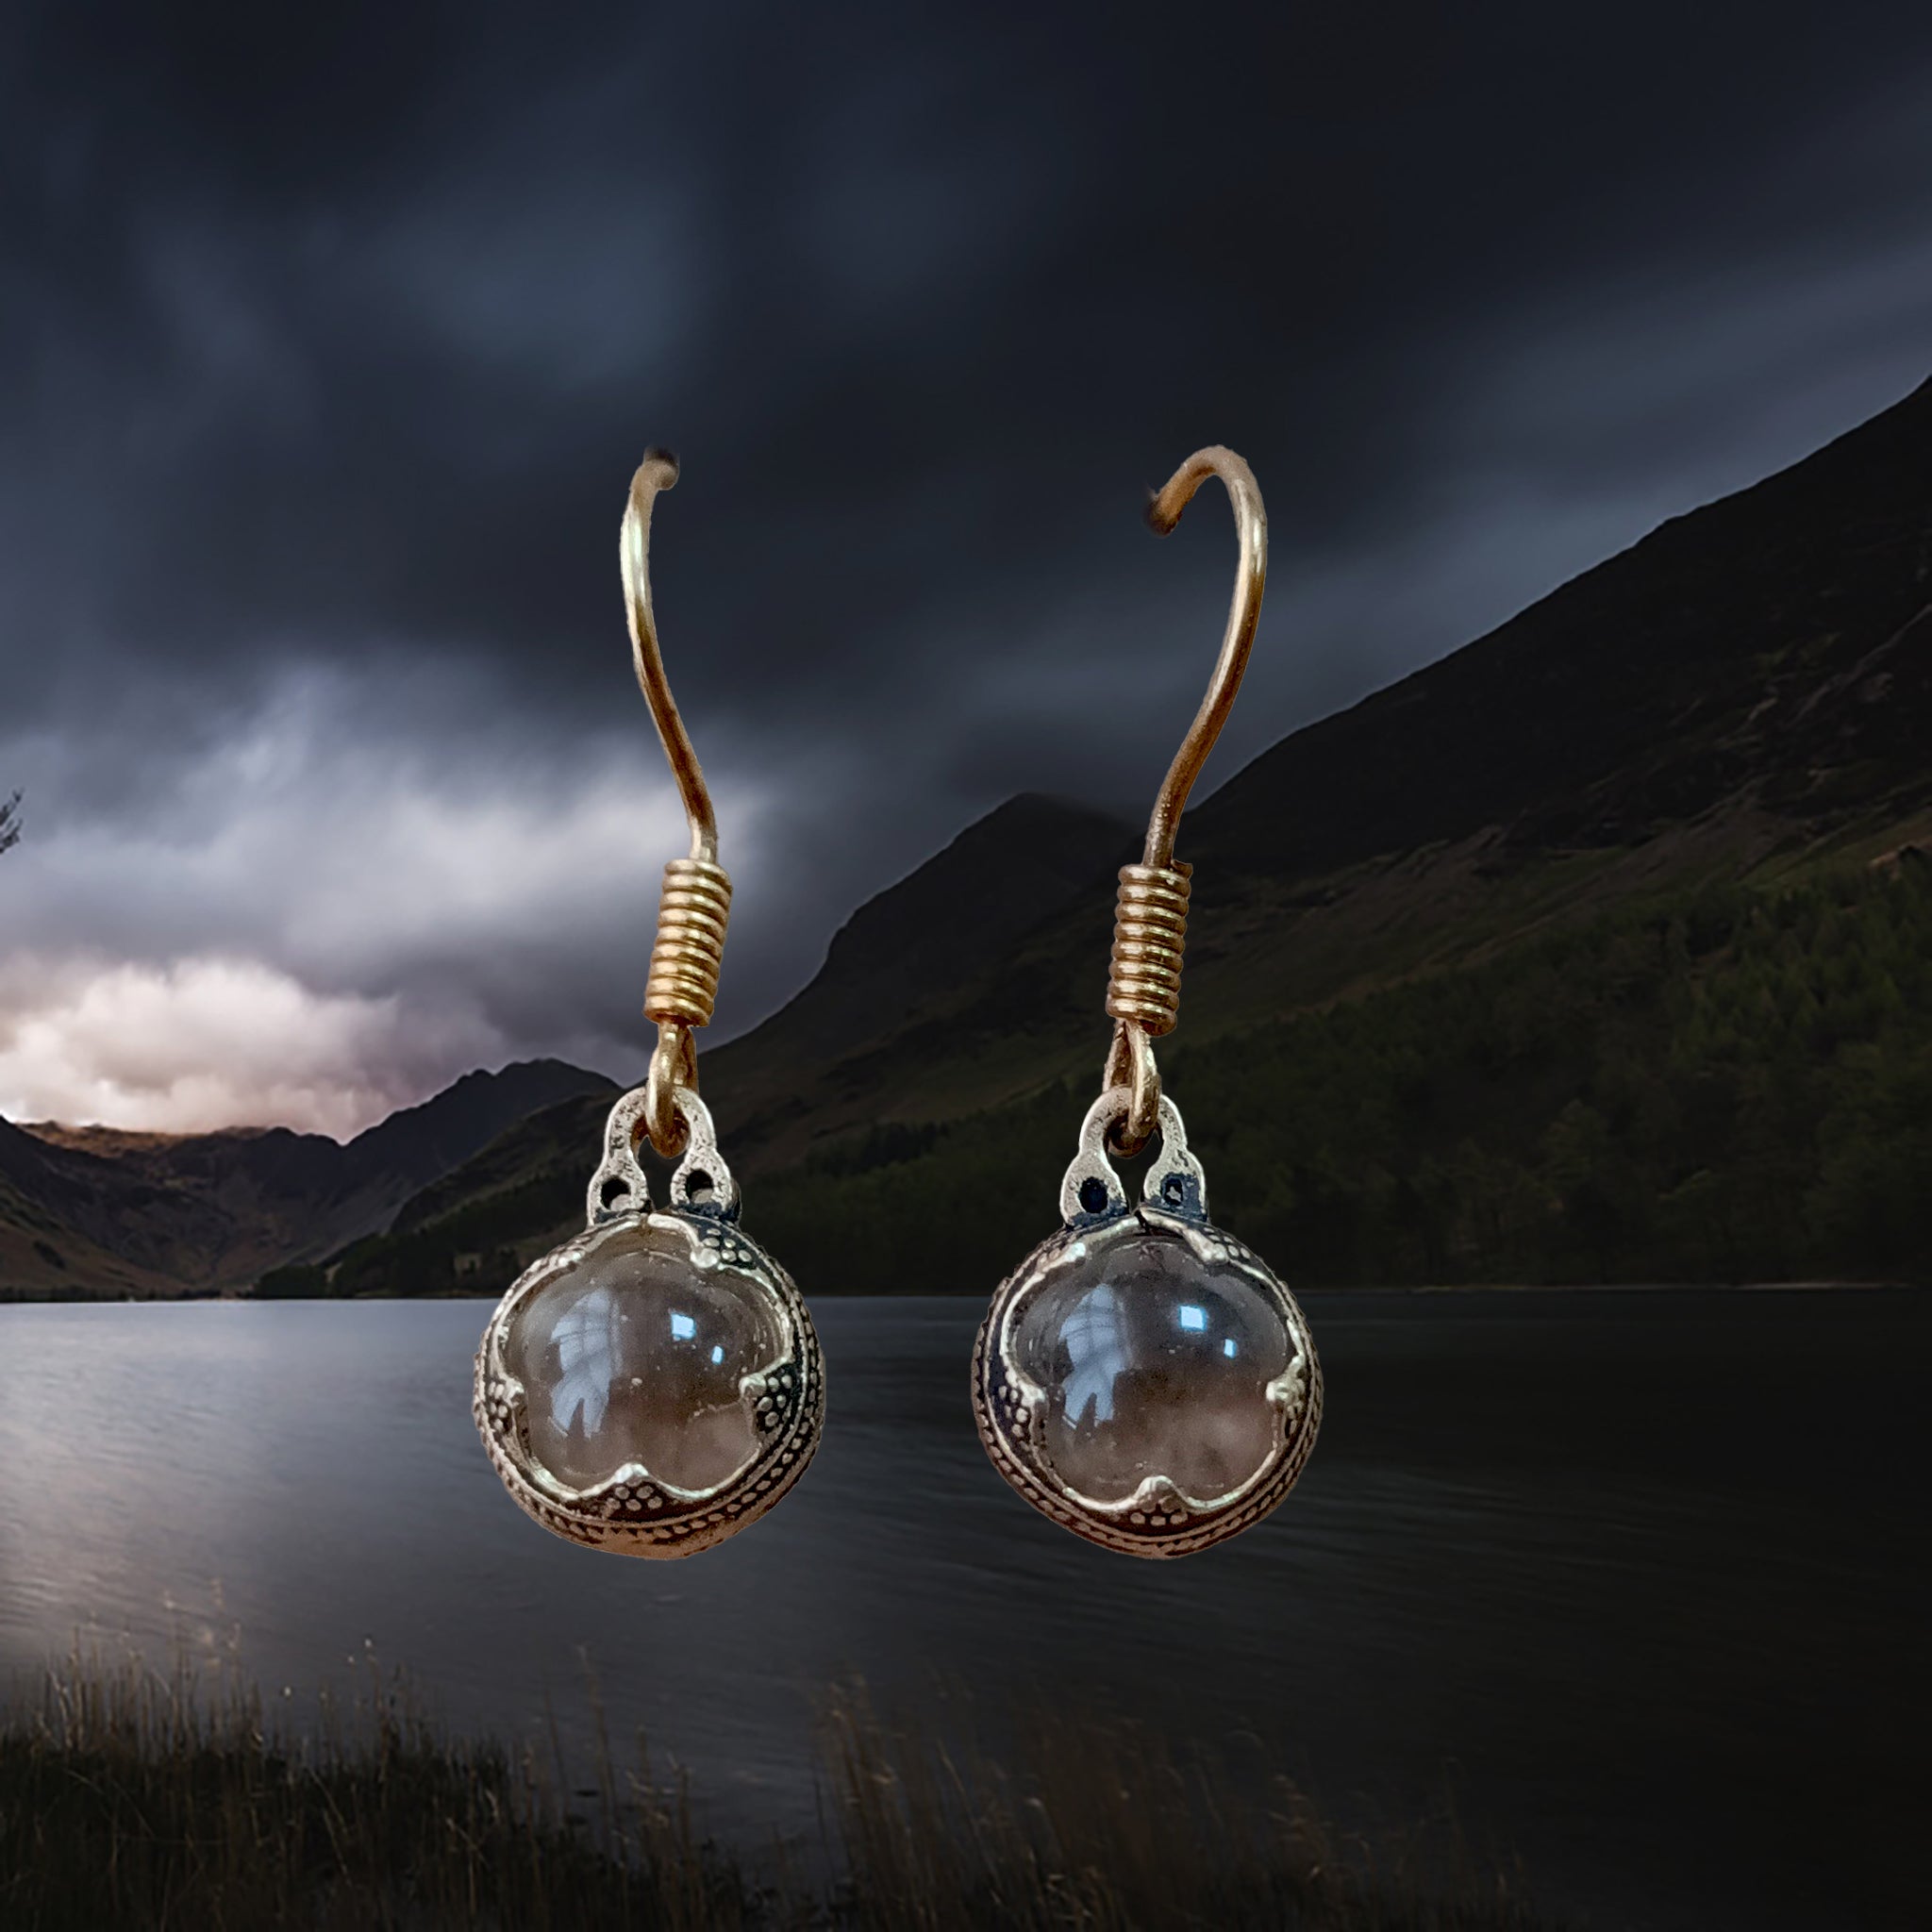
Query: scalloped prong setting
655	1384
1142	1377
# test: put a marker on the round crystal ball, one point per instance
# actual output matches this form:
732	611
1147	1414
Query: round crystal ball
1154	1363
636	1355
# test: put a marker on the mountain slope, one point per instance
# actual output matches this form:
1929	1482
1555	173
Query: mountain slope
42	1251
1745	693
906	954
1758	652
1750	684
900	955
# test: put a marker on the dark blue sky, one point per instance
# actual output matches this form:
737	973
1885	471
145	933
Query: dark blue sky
328	339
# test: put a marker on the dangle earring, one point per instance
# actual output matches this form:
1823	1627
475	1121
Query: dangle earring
1142	1378
655	1384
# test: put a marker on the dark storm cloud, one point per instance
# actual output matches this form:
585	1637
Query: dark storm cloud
329	340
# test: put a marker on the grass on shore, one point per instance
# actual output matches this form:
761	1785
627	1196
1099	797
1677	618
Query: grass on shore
136	1799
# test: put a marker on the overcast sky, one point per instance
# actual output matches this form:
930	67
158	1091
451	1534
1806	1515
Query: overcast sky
329	338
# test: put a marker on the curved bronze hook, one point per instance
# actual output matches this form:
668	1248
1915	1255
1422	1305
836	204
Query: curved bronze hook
1243	614
658	472
1138	931
695	901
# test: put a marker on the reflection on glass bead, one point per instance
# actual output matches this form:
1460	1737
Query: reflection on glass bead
634	1355
1154	1363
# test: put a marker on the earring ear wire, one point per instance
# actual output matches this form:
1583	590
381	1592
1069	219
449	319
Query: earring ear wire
695	903
1150	930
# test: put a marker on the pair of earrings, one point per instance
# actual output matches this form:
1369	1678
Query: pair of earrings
1142	1378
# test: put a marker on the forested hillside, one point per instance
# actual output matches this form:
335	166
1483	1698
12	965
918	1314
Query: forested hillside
1731	1084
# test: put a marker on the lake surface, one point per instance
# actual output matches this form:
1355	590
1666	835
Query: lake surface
1644	1572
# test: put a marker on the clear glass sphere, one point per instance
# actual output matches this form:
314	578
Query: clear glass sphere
635	1355
1154	1363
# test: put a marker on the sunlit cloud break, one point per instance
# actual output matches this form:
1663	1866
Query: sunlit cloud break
322	919
210	1042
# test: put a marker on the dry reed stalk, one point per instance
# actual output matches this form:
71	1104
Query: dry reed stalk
156	1801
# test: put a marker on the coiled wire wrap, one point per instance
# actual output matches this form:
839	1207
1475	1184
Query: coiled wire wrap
689	952
1150	931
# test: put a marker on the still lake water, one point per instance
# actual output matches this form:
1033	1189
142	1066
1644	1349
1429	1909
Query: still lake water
1645	1574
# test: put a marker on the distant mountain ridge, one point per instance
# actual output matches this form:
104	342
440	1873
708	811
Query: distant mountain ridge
155	1213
